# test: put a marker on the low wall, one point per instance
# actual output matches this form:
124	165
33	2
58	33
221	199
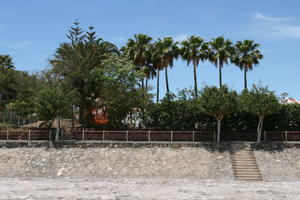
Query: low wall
99	163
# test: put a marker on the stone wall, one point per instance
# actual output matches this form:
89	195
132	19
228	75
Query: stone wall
98	163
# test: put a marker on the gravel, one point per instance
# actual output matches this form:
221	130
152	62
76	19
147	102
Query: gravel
145	189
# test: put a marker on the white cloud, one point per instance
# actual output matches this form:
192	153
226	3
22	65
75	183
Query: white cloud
20	45
276	27
180	37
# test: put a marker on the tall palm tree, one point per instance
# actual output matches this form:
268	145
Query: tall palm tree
193	50
137	50
170	51
246	56
157	63
220	53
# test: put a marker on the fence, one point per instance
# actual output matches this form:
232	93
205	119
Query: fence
282	136
85	135
25	135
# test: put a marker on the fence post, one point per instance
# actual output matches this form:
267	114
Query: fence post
82	135
103	133
286	136
149	136
171	136
193	136
7	135
126	136
29	135
265	136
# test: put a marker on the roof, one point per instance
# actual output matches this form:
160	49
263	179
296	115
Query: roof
292	100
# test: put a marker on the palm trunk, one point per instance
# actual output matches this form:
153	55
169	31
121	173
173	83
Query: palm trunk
157	87
195	81
220	75
167	81
245	78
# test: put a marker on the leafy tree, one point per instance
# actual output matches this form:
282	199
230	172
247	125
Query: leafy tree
120	92
246	56
74	61
221	51
193	50
217	102
53	102
6	62
259	101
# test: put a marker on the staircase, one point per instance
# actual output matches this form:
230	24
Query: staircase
244	165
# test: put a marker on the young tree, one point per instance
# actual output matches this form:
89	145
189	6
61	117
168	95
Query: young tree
53	102
217	102
259	101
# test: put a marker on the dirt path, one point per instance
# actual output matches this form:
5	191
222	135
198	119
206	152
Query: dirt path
145	189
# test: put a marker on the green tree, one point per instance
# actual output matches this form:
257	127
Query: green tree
74	61
259	101
221	51
53	102
246	56
217	102
118	83
170	52
137	50
6	62
194	50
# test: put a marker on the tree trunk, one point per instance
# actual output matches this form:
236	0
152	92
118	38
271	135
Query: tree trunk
167	81
219	130
146	89
220	75
58	129
73	117
157	87
245	78
195	81
259	127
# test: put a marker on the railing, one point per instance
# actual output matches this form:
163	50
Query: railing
282	136
103	135
25	135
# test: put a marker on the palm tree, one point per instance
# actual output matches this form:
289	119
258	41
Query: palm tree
246	56
157	63
193	50
170	51
137	50
220	53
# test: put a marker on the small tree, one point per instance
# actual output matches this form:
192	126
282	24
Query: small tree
218	102
53	102
259	101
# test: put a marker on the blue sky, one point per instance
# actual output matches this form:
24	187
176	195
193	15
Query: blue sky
31	30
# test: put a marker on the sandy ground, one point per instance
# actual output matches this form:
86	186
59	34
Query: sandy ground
145	189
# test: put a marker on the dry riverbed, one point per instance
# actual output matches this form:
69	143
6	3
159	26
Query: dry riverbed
145	189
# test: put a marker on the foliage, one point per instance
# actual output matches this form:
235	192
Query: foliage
217	102
259	101
120	92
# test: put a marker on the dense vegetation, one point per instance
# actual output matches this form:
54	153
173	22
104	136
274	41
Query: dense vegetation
90	75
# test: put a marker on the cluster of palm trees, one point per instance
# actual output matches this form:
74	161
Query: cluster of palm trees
152	57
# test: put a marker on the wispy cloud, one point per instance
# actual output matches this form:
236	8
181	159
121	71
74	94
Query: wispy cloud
21	45
180	37
281	27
